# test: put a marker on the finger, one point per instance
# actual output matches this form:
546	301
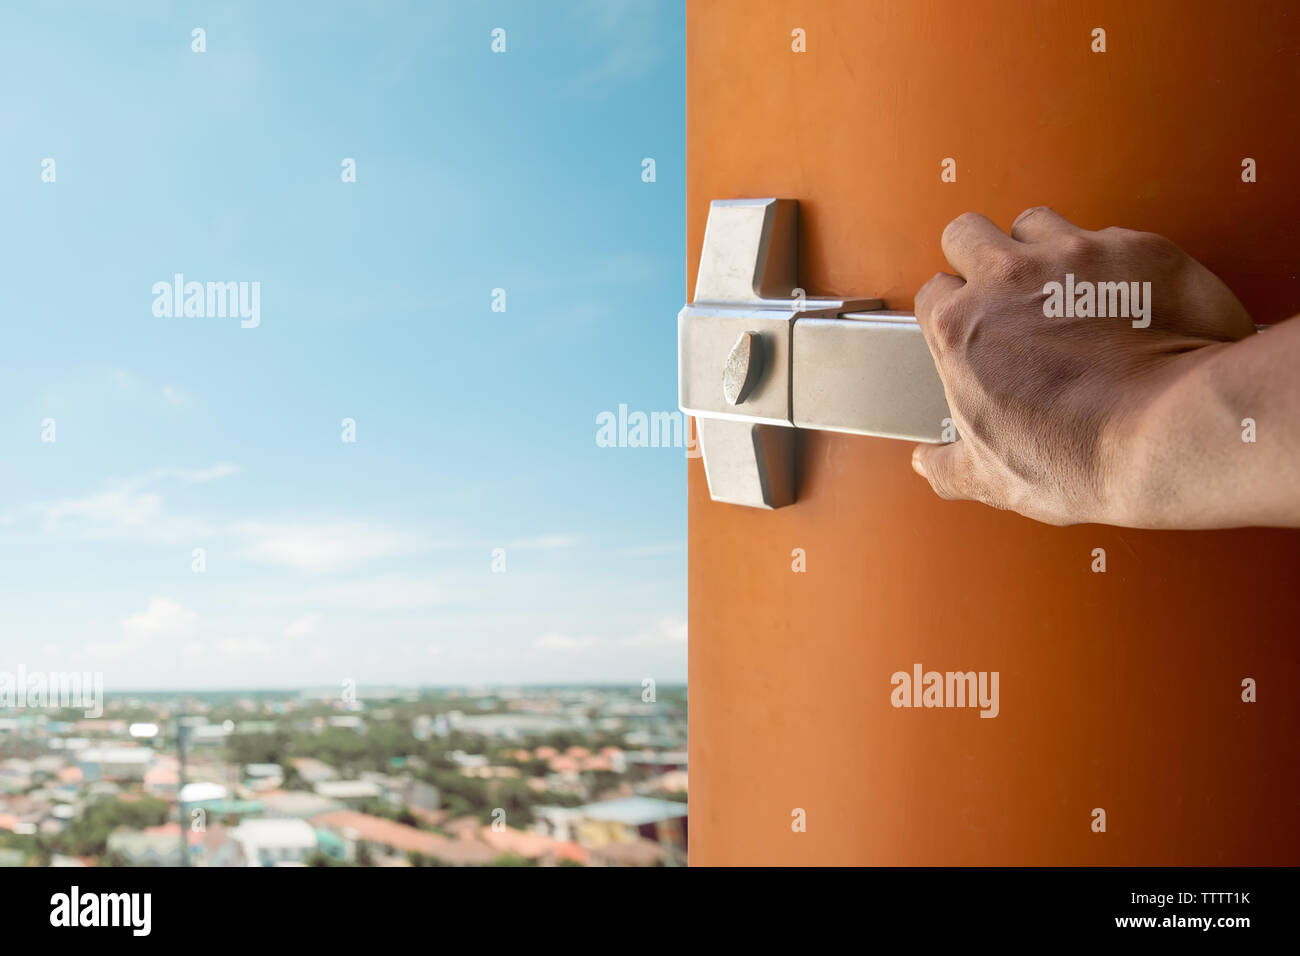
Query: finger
941	285
947	468
1040	223
969	238
928	300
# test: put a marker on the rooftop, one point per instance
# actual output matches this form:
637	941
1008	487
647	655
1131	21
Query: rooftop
634	811
374	829
116	755
347	789
276	833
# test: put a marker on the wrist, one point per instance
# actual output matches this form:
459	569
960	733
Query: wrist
1153	454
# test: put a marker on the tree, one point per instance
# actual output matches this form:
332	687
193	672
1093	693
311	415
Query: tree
88	834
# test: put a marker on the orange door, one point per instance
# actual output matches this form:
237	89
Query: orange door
1120	691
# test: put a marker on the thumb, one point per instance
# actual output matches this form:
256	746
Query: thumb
945	467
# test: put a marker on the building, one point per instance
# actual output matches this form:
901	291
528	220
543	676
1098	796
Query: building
366	835
101	726
264	776
388	841
202	792
467	761
536	847
16	775
312	770
161	781
350	792
302	804
404	790
208	734
223	808
422	727
216	847
560	823
275	842
114	763
512	726
674	781
628	831
659	761
160	846
155	846
637	852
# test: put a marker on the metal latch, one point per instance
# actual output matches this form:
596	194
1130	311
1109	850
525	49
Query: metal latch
756	358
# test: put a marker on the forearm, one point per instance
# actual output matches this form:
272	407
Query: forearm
1217	445
1185	419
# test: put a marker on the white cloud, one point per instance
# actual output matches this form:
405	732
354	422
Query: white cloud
354	591
196	476
651	550
175	396
117	509
667	632
163	620
242	647
305	626
392	592
565	643
228	648
546	542
322	547
130	504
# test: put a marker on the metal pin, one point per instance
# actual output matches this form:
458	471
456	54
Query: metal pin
743	369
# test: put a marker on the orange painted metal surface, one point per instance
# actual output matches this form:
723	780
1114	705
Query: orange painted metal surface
1119	690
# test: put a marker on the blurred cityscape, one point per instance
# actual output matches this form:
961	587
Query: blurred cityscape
368	777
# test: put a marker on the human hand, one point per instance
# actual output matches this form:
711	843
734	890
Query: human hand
1050	409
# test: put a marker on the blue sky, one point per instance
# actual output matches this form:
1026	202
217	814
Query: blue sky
326	560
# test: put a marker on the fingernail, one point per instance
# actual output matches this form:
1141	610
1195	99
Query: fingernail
916	462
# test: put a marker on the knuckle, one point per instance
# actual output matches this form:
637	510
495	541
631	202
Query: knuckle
962	222
932	288
1077	246
1074	252
1007	267
1151	246
1028	214
949	319
930	296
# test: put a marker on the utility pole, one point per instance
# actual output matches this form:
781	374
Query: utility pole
180	787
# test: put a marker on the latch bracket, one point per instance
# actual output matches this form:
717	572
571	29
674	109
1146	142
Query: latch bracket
757	358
